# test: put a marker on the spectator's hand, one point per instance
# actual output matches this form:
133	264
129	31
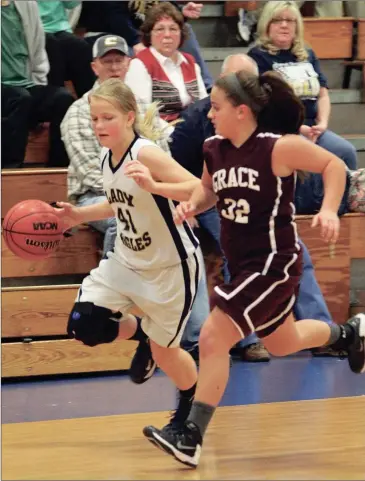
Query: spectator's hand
329	223
184	211
308	133
138	48
318	129
141	175
192	10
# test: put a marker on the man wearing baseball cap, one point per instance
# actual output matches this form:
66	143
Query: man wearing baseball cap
110	43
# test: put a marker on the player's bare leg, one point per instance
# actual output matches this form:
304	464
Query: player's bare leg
180	367
217	337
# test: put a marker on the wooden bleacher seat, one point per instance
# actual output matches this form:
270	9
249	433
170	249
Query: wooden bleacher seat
33	315
330	38
358	60
77	254
30	315
49	185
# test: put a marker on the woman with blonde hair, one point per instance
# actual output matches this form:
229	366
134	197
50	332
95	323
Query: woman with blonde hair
155	266
281	47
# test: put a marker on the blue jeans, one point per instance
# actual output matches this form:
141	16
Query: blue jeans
310	303
199	313
340	147
108	227
191	46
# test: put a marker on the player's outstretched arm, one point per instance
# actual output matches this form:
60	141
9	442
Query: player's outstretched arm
292	153
202	199
72	215
158	173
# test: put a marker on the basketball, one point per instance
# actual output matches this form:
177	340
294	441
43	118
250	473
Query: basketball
32	230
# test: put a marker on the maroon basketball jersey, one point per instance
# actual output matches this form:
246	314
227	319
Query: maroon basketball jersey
255	206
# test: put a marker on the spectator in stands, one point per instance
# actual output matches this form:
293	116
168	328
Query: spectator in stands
125	19
69	56
280	47
160	72
187	148
26	98
85	182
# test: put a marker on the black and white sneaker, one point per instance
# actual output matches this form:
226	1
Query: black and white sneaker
356	350
184	445
143	365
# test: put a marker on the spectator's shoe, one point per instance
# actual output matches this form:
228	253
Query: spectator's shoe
184	445
143	366
245	25
356	350
255	353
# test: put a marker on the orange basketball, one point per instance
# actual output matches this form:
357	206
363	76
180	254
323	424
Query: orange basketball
32	230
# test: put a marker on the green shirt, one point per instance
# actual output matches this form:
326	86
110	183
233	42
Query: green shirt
54	16
14	49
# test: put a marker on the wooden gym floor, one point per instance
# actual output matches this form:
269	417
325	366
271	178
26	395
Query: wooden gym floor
294	418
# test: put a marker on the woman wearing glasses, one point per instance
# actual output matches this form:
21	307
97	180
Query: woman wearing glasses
160	73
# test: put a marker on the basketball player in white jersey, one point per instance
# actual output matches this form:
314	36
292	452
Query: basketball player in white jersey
154	267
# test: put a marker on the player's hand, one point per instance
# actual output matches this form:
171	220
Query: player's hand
192	10
141	175
194	224
184	211
329	223
68	214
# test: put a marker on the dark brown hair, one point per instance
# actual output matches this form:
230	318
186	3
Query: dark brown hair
271	99
157	13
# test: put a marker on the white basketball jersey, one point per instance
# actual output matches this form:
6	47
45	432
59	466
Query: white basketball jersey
147	237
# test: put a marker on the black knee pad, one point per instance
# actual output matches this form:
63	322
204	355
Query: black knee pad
92	324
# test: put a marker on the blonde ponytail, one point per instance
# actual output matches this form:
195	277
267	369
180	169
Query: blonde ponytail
147	124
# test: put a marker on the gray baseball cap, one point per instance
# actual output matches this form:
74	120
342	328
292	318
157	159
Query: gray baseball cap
107	43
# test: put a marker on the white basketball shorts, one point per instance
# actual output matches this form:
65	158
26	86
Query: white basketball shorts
165	296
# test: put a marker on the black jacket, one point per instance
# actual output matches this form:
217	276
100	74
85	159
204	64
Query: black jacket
189	136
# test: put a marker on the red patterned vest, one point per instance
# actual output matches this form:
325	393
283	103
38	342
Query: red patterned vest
162	89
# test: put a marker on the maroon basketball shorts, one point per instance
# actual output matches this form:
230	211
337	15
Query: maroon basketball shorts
260	300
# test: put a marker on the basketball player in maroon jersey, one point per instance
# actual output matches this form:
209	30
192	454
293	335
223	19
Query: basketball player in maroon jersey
250	174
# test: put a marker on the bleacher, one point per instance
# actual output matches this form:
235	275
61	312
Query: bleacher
37	296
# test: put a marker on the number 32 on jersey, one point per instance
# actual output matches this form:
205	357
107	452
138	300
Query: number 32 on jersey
236	210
